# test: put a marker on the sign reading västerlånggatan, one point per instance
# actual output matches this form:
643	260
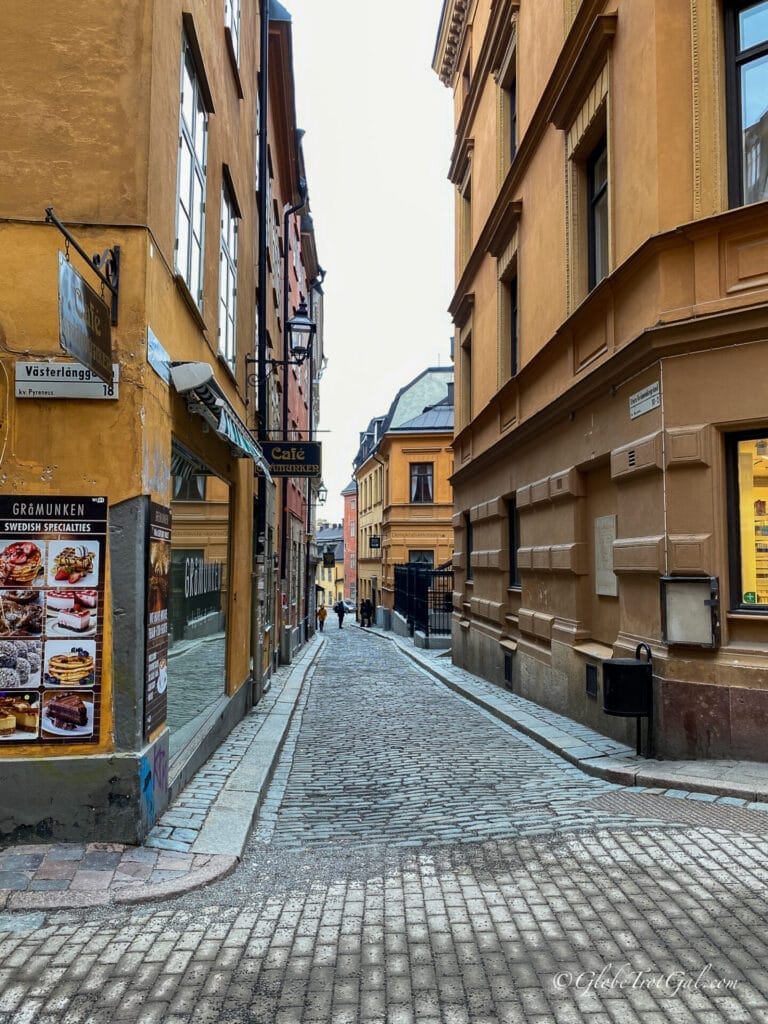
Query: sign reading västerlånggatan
52	557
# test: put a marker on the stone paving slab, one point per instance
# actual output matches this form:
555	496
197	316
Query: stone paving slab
597	755
189	847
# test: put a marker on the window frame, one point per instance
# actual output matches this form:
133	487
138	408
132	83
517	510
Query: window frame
469	543
428	563
195	220
513	541
595	197
227	330
415	478
735	60
232	27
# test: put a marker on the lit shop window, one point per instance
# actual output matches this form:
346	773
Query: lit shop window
750	479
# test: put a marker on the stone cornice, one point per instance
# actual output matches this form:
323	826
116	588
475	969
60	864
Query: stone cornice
453	24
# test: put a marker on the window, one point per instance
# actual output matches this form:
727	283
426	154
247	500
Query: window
512	286
469	545
513	538
228	279
465	380
746	40
232	24
597	213
465	220
421	482
512	113
748	483
188	488
352	561
190	206
425	558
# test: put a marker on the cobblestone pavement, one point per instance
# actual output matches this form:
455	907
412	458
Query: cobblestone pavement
418	861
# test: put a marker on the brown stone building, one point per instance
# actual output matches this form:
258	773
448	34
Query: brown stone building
611	446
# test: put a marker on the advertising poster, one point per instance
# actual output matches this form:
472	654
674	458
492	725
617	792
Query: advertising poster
158	577
52	559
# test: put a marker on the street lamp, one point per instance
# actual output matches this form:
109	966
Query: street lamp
322	494
300	330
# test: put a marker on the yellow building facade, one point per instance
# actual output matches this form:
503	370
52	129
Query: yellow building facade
610	337
138	131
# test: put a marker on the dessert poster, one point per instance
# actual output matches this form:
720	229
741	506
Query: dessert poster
158	575
52	557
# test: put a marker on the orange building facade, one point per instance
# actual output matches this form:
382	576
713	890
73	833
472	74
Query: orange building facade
611	334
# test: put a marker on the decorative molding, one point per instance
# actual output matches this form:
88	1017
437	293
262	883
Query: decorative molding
452	28
688	446
644	455
639	554
583	69
690	554
501	227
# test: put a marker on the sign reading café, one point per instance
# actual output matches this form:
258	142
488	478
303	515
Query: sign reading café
293	458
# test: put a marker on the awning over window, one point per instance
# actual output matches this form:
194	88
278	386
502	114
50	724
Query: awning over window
196	383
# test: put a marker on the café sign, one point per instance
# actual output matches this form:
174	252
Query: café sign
293	458
84	322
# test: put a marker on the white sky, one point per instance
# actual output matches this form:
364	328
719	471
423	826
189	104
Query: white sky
378	139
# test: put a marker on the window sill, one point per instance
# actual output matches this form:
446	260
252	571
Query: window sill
233	61
593	649
189	300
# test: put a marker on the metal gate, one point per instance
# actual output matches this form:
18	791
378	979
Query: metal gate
424	597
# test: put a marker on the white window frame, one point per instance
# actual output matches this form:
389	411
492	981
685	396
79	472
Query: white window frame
228	279
191	177
232	23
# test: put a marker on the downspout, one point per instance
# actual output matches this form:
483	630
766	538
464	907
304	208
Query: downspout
308	584
289	212
260	540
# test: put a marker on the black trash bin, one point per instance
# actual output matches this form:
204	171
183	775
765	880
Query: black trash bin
628	690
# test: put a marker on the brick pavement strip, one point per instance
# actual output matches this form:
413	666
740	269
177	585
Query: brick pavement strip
561	898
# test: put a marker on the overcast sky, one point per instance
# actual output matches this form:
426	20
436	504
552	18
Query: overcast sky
378	139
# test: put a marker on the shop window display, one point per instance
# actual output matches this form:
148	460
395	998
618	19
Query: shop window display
752	485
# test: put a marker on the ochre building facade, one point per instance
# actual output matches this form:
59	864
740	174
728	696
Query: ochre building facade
611	481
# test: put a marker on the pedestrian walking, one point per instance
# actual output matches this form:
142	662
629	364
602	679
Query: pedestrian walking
363	622
366	612
322	615
340	610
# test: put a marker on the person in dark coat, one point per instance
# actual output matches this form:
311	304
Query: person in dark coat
366	612
340	610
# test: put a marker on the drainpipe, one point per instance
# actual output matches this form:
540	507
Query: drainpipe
260	540
308	584
302	190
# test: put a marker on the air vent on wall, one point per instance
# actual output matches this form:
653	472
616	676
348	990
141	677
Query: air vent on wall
592	681
508	669
631	458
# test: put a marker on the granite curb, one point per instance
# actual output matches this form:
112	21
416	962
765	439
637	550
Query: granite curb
621	765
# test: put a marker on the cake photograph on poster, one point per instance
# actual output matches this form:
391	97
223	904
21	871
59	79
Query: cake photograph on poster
67	713
71	612
19	716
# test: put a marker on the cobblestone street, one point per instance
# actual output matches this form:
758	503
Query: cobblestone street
416	860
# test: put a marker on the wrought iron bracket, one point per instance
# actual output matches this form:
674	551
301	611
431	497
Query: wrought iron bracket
109	260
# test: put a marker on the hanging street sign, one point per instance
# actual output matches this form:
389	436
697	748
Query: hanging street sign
293	458
84	322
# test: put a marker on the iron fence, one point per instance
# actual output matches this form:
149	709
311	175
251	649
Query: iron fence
424	597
